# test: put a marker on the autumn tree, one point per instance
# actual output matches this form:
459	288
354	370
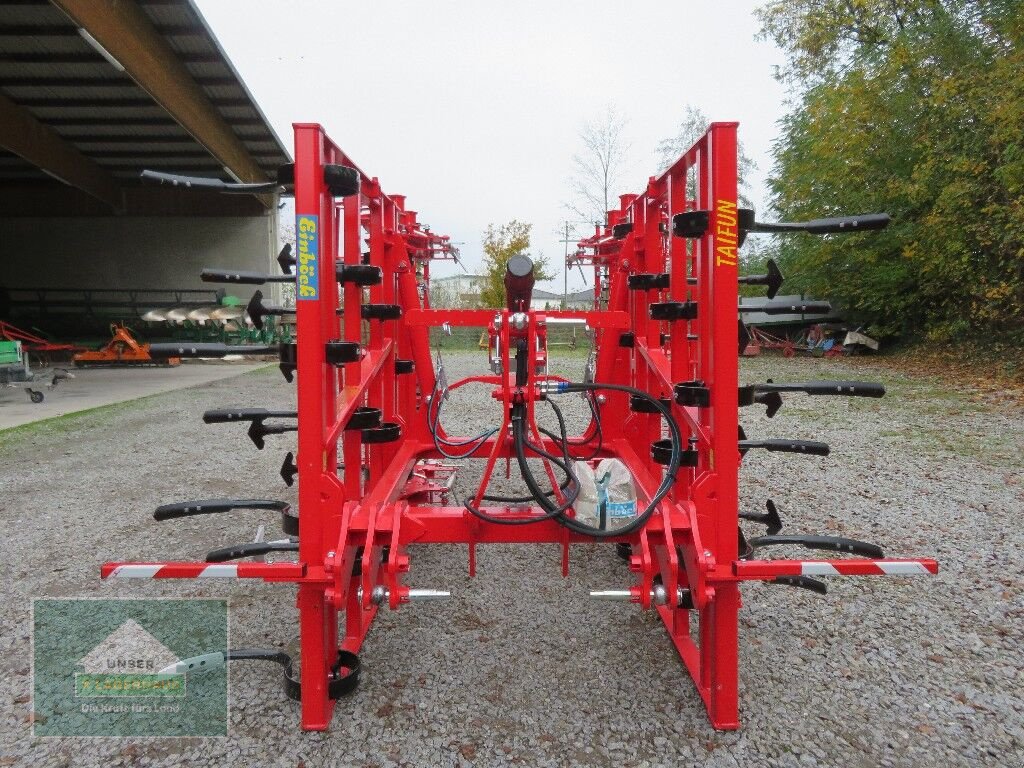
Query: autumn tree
501	244
913	108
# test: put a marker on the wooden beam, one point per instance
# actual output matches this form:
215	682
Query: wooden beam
40	145
128	35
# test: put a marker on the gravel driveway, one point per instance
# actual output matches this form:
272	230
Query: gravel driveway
520	667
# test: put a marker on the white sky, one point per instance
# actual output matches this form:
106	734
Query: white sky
473	109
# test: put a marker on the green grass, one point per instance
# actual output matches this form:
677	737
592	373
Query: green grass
59	425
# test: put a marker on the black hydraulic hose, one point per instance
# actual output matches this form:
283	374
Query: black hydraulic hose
553	511
434	420
666	483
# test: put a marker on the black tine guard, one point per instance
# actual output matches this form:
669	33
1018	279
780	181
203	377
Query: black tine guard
829	543
770	519
404	366
692	394
773	279
363	275
648	282
643	405
380	311
619	231
802	582
213	185
691	223
286	175
386	432
228	415
215	506
250	549
287	353
286	259
364	417
163	350
288	469
339	352
242	277
673	310
341	180
661	452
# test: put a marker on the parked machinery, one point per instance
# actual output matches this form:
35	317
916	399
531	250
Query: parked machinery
663	390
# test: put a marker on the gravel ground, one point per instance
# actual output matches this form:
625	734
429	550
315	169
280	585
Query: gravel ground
520	666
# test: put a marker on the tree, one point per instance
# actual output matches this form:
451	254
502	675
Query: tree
694	125
913	108
599	166
500	245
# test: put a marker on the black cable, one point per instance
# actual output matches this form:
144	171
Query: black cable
434	420
553	511
667	481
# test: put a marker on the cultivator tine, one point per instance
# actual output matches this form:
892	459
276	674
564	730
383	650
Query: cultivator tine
773	279
834	225
258	310
768	394
215	506
242	277
829	543
802	582
258	430
228	415
286	259
744	336
770	519
214	185
343	679
288	469
788	308
164	350
810	447
251	549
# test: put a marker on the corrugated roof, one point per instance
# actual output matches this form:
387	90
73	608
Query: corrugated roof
48	68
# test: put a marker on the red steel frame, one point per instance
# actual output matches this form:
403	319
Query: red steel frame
690	543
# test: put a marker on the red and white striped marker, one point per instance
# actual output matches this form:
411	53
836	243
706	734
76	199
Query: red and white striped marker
769	569
278	571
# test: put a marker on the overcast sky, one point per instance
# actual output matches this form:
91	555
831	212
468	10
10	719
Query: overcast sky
473	109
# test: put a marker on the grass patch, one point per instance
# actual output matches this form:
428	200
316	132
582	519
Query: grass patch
58	425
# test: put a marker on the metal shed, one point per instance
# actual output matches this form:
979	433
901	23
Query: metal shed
91	93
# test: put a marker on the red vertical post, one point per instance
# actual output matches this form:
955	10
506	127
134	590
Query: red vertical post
316	299
352	246
719	193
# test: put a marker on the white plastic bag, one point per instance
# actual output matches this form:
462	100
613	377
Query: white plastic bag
607	497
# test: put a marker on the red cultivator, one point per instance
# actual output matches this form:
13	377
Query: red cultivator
662	388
